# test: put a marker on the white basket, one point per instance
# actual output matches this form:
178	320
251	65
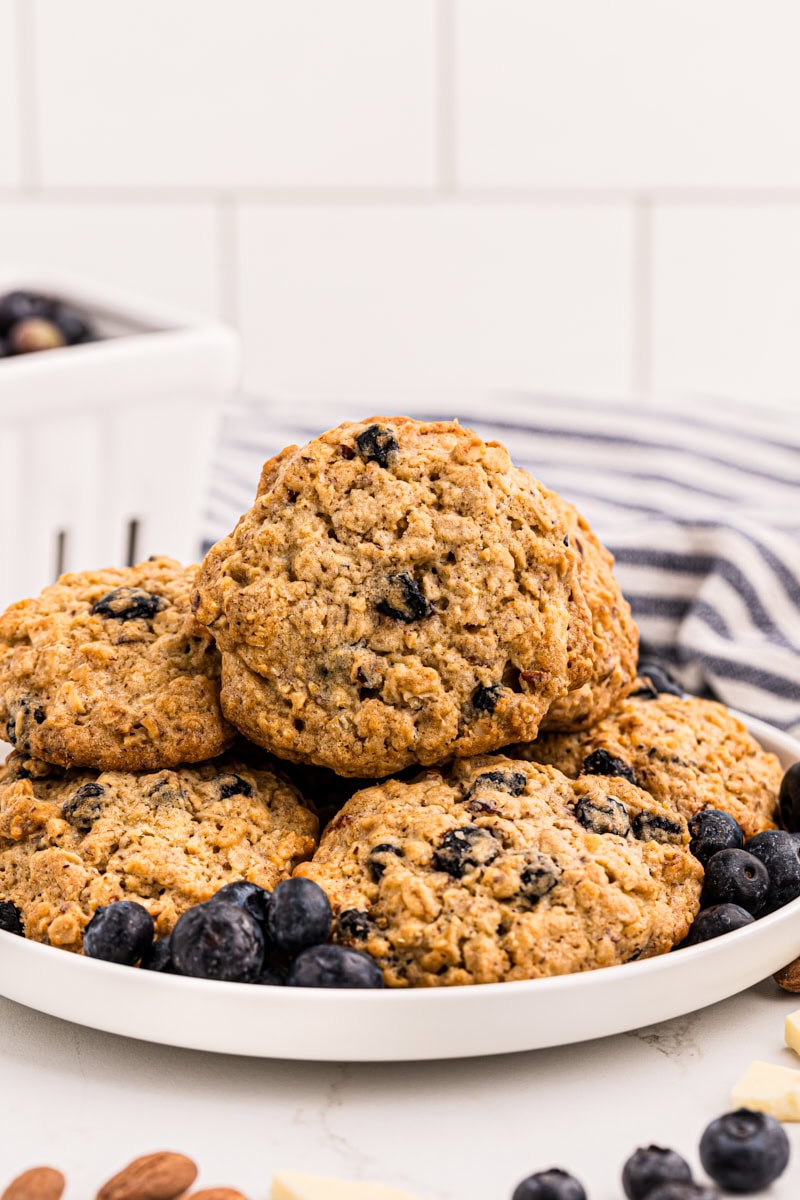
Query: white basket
104	448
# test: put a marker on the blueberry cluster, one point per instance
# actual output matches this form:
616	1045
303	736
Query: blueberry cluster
745	880
30	322
243	934
742	1152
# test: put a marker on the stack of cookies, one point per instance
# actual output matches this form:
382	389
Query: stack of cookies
399	605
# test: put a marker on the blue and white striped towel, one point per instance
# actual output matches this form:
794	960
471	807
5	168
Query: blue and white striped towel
699	502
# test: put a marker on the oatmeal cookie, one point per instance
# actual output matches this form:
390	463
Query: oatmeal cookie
397	594
109	669
71	841
686	752
615	638
504	870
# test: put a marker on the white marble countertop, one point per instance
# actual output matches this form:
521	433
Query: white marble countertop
88	1102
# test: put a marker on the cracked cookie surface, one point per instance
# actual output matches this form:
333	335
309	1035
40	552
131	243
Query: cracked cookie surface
505	870
71	841
109	669
397	594
687	753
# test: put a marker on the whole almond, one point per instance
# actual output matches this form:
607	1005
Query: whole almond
160	1176
217	1194
39	1183
789	977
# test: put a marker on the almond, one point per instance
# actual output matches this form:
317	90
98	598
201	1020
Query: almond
789	977
217	1194
160	1176
40	1183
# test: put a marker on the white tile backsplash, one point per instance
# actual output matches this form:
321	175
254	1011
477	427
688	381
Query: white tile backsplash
165	251
454	294
626	94
195	93
10	140
726	310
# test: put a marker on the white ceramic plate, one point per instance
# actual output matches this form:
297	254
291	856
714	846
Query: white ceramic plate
383	1026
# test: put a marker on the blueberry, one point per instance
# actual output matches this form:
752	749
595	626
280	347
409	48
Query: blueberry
377	444
126	604
656	679
159	957
74	326
34	334
652	827
713	922
334	967
233	785
218	941
649	1166
600	762
538	877
405	600
554	1184
19	305
249	896
119	933
465	849
84	806
272	976
11	918
676	1190
484	699
512	782
789	797
377	859
744	1151
603	815
354	925
299	915
736	877
713	830
780	854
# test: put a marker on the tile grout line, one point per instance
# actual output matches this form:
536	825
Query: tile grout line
227	260
28	116
446	97
642	284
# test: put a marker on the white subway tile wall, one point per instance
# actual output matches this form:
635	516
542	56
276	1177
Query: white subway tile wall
572	196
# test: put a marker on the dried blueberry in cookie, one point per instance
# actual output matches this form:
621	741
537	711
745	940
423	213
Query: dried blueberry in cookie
554	1184
650	1166
334	967
713	830
353	925
11	918
600	762
299	915
404	599
378	860
218	941
128	604
780	854
715	921
377	444
538	877
603	815
466	849
119	933
234	785
655	827
484	699
84	806
512	782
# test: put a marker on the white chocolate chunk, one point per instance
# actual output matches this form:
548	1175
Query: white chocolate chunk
768	1089
792	1031
294	1185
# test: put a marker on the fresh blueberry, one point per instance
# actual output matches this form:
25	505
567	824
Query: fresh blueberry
378	860
272	976
465	849
713	922
233	785
74	326
484	699
404	599
676	1190
538	877
744	1151
159	957
249	896
377	444
603	815
653	827
334	967
84	806
713	830
126	604
789	797
655	674
650	1166
11	918
34	334
218	941
736	877
780	854
119	933
554	1184
600	762
19	305
299	915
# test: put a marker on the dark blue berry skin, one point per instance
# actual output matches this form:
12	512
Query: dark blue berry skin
711	831
780	854
789	798
736	877
272	976
73	325
649	1166
119	933
249	896
299	915
714	922
19	305
554	1184
159	957
11	918
334	967
377	444
682	1191
128	604
744	1151
218	941
600	762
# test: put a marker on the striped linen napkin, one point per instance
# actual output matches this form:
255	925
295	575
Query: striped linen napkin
698	500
